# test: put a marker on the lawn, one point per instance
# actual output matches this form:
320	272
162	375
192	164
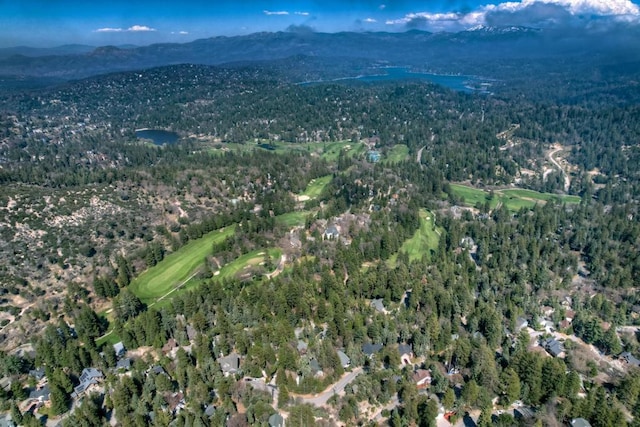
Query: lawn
398	153
423	241
315	187
176	267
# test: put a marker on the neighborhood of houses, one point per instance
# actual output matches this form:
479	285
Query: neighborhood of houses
92	380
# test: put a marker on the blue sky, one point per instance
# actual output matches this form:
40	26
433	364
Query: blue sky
54	22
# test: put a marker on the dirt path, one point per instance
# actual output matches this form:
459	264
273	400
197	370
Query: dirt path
419	155
279	268
567	180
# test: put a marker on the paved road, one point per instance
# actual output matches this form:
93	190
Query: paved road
337	388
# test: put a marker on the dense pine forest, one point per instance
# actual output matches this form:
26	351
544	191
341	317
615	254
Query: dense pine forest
393	253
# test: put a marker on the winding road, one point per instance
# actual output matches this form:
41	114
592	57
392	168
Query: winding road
337	388
567	180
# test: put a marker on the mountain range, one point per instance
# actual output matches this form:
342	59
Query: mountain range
489	50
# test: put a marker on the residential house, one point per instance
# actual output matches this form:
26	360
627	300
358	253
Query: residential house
370	349
331	232
580	422
524	413
378	305
209	411
630	359
547	325
170	347
119	349
302	347
89	377
124	364
344	359
38	373
406	353
6	421
158	370
546	310
553	347
276	420
191	333
422	378
175	402
230	364
521	323
316	370
41	395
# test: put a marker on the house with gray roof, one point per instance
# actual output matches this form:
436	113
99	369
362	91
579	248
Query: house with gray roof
230	364
276	420
370	349
6	421
553	347
521	323
88	378
38	373
344	359
124	364
580	422
41	394
630	359
119	349
302	347
331	232
378	304
406	353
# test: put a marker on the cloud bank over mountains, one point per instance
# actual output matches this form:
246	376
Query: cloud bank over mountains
534	13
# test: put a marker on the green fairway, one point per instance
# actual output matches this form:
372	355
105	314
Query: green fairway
534	195
176	267
293	219
423	241
238	265
398	153
473	196
315	187
514	199
233	269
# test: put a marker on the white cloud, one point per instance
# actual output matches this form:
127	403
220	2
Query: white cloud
109	30
133	29
275	12
382	7
182	33
140	28
369	20
302	13
621	10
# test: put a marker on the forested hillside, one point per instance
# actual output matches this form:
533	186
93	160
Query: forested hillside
331	254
